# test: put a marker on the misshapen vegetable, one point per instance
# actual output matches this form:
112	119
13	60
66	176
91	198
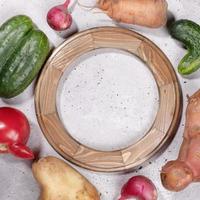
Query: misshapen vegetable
188	32
150	13
59	181
178	174
23	51
14	133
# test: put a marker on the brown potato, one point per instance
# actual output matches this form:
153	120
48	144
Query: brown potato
150	13
59	181
177	174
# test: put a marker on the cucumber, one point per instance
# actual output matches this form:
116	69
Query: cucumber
188	32
25	63
11	34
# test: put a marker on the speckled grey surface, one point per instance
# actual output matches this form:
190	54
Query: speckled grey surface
16	181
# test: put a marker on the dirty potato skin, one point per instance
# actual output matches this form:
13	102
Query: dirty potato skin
59	181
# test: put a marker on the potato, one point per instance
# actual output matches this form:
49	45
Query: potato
59	181
177	174
150	13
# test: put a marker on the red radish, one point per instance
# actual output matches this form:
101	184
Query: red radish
139	187
14	133
59	17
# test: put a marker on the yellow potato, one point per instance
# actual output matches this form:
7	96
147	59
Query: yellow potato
59	181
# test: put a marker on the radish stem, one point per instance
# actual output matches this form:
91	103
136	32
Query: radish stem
66	4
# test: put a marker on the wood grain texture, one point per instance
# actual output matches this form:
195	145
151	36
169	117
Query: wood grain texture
166	122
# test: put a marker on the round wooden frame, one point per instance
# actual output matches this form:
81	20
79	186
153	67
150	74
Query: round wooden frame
166	121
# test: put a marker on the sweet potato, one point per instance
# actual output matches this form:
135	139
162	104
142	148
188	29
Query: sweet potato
178	174
59	181
150	13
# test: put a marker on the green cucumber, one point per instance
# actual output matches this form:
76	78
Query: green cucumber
25	63
11	34
188	32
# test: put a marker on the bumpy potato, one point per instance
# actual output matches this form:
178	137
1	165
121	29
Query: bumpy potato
59	181
177	174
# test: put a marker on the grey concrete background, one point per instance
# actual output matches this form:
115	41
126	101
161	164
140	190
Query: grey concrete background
16	181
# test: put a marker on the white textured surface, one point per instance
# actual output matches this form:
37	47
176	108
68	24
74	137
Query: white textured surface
16	181
101	100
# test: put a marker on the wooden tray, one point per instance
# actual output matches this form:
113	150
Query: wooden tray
167	119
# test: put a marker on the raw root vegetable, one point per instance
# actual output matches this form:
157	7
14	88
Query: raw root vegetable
139	187
178	174
150	13
14	133
59	181
59	17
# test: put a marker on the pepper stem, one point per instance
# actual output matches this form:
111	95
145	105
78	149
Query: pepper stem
21	151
